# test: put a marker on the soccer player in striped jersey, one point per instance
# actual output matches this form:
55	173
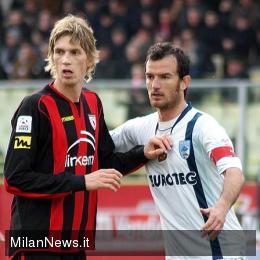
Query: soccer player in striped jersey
196	183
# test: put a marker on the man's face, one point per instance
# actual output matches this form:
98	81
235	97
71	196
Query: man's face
70	61
163	83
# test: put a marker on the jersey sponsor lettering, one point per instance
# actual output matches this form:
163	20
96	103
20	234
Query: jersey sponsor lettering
170	179
80	160
22	142
67	118
24	124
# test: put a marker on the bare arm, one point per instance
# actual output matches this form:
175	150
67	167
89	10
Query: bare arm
233	183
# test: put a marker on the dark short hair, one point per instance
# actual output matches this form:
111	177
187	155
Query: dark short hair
160	50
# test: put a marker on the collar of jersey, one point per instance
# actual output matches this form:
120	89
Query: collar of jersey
175	122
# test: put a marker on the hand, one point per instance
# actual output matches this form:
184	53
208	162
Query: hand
157	147
216	219
103	178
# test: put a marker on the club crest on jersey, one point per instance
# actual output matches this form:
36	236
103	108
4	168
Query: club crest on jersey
92	120
184	149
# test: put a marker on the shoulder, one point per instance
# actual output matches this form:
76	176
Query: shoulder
31	101
206	120
92	97
89	93
144	122
29	107
207	126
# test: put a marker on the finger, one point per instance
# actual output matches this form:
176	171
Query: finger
112	181
157	142
113	171
110	187
112	176
205	211
208	224
213	234
167	142
211	228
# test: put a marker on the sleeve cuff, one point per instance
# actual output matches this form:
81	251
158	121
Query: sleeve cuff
78	183
139	153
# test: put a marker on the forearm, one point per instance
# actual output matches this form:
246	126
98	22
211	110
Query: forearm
233	183
125	162
42	185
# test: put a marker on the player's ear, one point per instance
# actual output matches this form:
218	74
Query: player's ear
185	82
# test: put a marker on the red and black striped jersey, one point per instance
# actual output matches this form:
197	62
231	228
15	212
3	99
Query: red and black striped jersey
54	143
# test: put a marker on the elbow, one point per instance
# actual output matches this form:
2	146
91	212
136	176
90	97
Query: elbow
10	183
8	186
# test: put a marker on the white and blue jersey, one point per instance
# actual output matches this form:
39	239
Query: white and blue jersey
190	177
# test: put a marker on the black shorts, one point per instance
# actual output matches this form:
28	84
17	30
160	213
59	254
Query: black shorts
49	256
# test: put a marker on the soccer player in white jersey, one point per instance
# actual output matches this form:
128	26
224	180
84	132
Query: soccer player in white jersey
196	183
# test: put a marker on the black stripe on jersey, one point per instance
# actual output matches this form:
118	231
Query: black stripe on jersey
198	188
71	135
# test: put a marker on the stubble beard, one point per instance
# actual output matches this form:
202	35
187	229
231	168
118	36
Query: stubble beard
169	105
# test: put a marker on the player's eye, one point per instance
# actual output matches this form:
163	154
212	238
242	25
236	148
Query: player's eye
75	52
58	51
166	76
148	76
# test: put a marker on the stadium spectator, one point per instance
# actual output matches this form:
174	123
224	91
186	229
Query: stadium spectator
235	68
147	22
225	11
9	51
196	183
105	27
30	13
247	8
91	11
138	102
165	27
243	36
212	33
59	148
106	68
68	7
38	71
225	19
24	63
45	23
201	65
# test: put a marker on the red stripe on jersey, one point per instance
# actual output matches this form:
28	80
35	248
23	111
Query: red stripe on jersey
91	99
79	169
60	147
221	152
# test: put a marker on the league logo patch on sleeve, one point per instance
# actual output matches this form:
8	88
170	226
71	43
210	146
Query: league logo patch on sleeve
24	124
184	149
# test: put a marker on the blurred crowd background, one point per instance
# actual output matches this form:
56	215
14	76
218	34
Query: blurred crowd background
221	37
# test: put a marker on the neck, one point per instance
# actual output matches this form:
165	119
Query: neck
170	113
69	91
